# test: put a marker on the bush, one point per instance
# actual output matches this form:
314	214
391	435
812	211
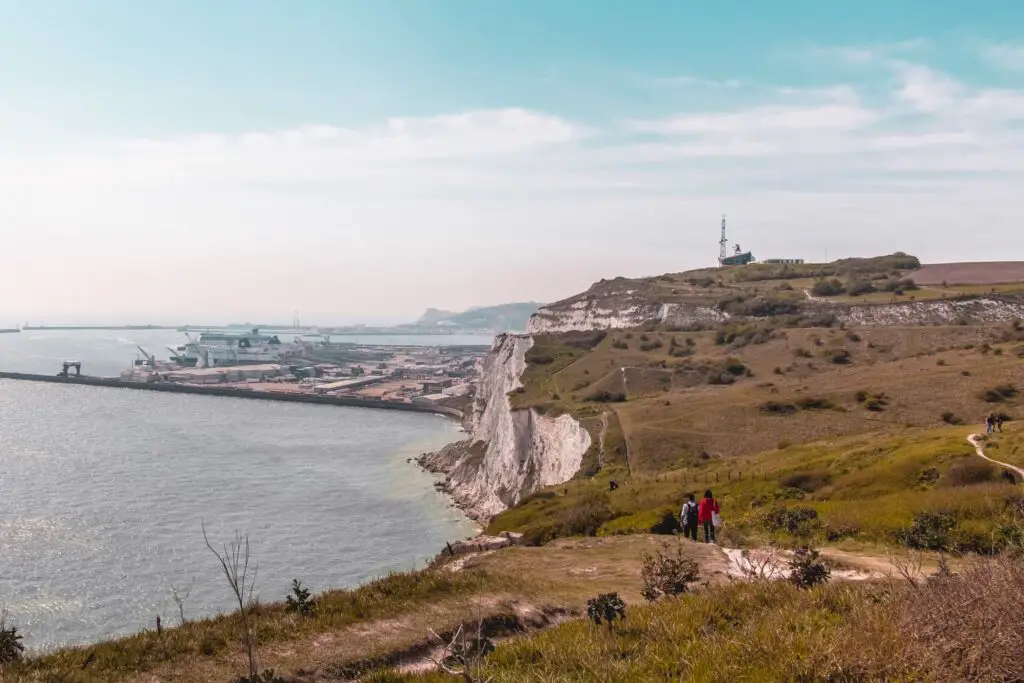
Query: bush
795	521
778	408
617	344
970	470
581	519
11	649
807	569
896	285
651	345
809	482
831	287
858	287
735	367
813	403
606	608
854	337
949	417
299	601
802	353
537	356
929	531
998	394
668	574
605	396
841	357
875	405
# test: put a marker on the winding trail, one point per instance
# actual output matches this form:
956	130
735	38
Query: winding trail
975	440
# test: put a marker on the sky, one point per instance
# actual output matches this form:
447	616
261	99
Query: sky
361	160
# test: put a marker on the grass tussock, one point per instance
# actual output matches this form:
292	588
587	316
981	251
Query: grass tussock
946	628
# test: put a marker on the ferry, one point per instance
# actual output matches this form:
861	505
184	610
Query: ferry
217	349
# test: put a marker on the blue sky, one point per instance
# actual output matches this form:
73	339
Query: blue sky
362	159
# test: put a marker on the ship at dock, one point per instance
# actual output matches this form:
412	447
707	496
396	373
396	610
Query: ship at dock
220	349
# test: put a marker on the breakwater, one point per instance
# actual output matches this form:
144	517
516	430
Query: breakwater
238	392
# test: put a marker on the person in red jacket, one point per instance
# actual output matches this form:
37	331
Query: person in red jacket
706	516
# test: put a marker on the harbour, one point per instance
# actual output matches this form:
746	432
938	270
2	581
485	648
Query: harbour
239	392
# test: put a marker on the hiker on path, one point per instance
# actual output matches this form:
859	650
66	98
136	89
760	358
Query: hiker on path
706	516
990	423
999	422
689	517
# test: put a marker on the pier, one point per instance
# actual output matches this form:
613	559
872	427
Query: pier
238	392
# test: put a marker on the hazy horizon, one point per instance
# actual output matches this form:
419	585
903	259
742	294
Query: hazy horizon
178	161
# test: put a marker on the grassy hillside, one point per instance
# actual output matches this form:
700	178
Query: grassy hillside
942	630
870	418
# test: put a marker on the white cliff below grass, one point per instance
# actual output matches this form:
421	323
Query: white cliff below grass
510	453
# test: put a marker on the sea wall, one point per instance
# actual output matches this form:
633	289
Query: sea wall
510	453
238	392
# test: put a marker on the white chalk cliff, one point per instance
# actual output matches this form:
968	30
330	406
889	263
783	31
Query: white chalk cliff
510	453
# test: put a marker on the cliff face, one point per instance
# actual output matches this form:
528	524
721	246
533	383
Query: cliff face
595	310
510	453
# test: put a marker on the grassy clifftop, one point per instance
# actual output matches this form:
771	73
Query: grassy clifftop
780	391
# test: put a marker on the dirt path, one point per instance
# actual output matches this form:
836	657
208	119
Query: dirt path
604	431
976	441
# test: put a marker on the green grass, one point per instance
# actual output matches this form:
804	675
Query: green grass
211	644
864	488
771	631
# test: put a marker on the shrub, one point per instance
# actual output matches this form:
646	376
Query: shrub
605	396
809	482
778	408
929	531
897	285
831	287
299	601
668	574
875	405
802	353
651	345
536	356
795	521
949	417
582	519
968	471
813	403
11	649
858	287
840	357
853	336
861	396
617	344
735	367
998	394
606	608
807	569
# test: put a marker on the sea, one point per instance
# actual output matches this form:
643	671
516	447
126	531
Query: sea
105	493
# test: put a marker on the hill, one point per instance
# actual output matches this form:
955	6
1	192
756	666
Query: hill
511	317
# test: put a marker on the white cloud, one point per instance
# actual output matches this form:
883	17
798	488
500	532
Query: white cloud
1005	55
926	89
462	204
765	119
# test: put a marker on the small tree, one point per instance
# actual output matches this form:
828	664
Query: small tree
180	596
299	601
667	573
807	569
606	608
463	654
234	560
11	649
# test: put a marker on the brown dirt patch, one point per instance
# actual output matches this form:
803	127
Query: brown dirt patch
980	273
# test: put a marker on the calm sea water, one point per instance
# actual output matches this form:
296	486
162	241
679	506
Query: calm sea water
105	353
103	493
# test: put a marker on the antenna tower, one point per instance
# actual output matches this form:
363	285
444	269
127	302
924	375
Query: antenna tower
722	244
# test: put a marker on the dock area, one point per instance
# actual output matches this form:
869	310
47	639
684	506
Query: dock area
250	391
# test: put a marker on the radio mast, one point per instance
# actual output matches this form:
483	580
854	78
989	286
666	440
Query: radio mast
722	244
